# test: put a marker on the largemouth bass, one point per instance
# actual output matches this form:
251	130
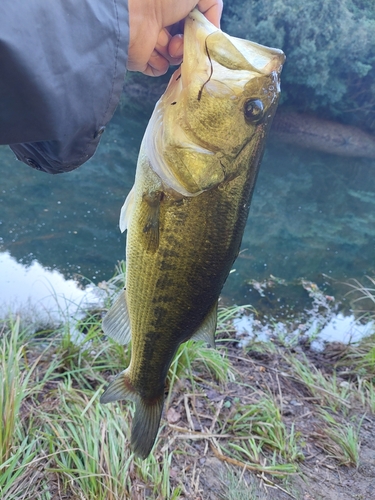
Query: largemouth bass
187	210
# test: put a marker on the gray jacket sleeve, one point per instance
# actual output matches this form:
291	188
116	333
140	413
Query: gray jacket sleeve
62	68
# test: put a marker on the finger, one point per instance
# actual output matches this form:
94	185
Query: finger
157	65
212	9
163	46
162	42
176	48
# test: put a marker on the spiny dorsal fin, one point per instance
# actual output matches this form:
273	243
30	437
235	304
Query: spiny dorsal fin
150	219
116	323
207	329
126	211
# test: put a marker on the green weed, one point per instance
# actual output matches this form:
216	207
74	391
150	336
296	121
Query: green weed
16	450
262	427
366	392
364	297
360	358
326	389
13	387
340	441
236	487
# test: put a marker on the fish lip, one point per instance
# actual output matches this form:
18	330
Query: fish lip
197	70
261	60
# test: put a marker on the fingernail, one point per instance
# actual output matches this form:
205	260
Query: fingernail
176	46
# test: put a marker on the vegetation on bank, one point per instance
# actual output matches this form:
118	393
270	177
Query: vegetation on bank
255	415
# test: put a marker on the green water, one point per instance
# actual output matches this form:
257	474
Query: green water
312	214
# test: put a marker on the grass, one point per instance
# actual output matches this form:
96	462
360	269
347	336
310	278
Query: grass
11	390
363	297
52	420
340	441
258	428
238	488
360	359
17	450
326	389
225	405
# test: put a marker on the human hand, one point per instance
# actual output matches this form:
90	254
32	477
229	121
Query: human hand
152	47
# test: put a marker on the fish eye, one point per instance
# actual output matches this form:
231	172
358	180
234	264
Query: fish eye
253	110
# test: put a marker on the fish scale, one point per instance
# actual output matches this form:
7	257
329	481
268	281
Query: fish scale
186	213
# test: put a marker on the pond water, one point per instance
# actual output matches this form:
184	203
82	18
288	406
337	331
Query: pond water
312	217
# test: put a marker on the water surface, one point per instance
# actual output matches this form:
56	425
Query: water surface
312	214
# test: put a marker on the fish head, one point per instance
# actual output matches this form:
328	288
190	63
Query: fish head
217	109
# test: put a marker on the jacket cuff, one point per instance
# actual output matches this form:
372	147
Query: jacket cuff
83	101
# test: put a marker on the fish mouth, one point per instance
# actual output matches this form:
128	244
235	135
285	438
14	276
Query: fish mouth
208	51
217	67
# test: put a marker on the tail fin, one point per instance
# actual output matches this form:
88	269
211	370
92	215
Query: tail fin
147	414
145	425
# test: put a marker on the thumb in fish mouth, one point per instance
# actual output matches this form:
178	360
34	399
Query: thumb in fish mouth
176	47
212	10
152	31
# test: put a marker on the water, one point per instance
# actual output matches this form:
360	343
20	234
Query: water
336	328
312	216
40	295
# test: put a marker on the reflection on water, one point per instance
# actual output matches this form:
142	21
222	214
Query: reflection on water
336	328
46	297
312	213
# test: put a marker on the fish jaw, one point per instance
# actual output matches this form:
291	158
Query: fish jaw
187	140
206	45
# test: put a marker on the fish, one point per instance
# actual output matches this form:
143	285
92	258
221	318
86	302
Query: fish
187	210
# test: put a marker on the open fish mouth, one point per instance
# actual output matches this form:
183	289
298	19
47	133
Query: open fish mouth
215	66
208	51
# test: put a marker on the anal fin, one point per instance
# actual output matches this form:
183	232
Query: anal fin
119	388
116	323
207	329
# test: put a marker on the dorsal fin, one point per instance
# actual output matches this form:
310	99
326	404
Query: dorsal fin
116	323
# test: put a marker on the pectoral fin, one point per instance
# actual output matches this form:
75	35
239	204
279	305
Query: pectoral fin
149	219
126	211
207	329
116	323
